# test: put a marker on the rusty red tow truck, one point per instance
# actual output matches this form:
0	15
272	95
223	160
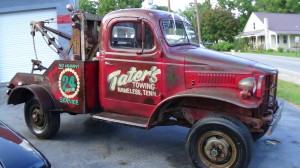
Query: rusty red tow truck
151	72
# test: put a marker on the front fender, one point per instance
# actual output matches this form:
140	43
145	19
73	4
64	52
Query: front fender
22	94
228	95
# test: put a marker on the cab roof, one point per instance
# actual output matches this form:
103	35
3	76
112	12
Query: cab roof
152	15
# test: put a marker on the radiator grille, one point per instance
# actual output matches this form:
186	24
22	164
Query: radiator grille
270	92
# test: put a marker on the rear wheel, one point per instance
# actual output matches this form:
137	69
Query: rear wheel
219	141
43	124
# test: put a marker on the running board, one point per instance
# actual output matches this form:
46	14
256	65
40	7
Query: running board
122	119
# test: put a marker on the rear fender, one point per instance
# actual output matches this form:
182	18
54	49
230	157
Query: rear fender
231	96
22	94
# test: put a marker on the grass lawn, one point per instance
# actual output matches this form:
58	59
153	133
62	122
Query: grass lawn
289	91
286	54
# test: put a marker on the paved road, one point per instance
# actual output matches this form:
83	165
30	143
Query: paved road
84	143
289	68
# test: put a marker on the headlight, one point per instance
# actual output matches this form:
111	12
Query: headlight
20	83
248	83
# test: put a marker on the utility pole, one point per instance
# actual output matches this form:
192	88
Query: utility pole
76	5
198	19
169	6
150	2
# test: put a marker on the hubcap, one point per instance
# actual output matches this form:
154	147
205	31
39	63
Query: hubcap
37	117
216	149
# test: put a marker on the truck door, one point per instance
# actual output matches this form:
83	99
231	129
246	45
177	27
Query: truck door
131	70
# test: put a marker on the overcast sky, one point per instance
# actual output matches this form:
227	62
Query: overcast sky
175	4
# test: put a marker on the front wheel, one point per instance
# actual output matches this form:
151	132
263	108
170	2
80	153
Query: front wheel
43	124
219	142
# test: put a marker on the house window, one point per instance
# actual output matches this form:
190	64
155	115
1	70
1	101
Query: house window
254	26
284	39
278	39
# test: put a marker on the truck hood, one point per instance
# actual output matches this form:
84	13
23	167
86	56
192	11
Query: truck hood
204	67
209	61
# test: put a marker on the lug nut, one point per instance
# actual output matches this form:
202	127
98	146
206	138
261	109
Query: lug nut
221	146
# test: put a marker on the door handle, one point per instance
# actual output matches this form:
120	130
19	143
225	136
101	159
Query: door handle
108	63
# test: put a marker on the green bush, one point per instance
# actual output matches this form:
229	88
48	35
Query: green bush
280	49
270	50
208	44
260	49
223	46
241	44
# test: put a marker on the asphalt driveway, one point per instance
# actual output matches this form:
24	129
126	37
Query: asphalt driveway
82	142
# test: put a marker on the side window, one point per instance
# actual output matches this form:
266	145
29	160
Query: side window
128	35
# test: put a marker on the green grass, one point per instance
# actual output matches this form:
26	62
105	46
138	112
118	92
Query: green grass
289	91
286	54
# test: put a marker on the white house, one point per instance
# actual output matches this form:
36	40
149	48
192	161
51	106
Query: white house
273	30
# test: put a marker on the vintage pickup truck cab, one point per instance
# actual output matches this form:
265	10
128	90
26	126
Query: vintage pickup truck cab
151	72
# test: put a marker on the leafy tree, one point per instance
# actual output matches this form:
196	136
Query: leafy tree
243	8
278	6
88	6
218	24
163	8
206	5
190	12
227	4
106	6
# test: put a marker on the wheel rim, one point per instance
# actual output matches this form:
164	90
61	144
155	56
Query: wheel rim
38	120
216	149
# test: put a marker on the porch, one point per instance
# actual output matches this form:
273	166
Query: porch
273	41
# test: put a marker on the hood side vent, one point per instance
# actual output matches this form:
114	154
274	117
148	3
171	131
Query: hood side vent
217	78
212	80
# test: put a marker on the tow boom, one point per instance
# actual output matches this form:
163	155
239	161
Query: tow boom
84	39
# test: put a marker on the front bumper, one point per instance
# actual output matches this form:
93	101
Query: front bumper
276	117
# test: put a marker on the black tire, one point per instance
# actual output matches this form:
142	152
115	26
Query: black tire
43	124
219	141
257	135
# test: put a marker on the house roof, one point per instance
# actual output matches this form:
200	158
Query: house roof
281	22
252	33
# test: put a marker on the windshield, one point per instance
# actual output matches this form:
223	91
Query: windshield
178	32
